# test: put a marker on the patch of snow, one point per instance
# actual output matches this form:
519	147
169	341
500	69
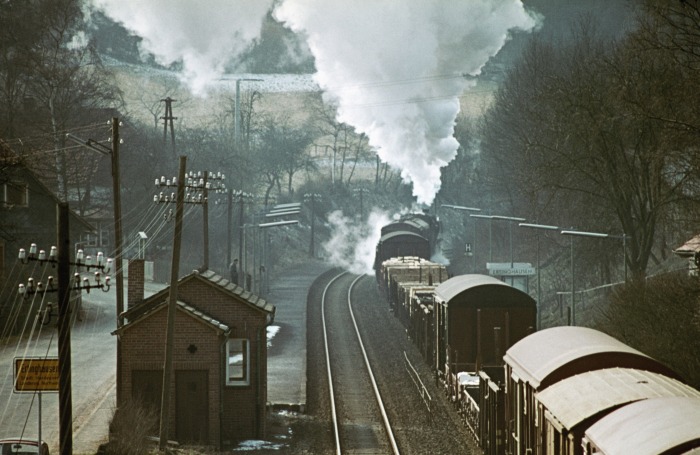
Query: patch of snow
271	332
255	444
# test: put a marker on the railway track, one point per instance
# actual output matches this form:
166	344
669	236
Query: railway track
360	422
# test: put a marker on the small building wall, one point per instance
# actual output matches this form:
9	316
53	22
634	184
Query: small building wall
236	412
244	415
143	349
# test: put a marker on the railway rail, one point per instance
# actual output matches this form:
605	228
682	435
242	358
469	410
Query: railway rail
360	421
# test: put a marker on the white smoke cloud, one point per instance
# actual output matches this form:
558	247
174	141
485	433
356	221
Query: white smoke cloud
352	246
394	69
203	36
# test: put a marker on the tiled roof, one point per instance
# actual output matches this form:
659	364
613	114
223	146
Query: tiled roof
210	278
192	311
233	289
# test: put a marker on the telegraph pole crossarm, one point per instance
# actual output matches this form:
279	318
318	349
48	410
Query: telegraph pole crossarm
199	183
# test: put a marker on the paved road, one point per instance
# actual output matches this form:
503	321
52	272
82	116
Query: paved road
286	362
93	377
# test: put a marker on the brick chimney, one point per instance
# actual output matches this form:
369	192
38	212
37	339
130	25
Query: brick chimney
135	289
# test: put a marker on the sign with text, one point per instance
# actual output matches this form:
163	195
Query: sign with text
36	374
510	269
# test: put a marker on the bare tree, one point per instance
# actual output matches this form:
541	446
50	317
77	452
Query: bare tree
283	151
66	81
16	37
572	136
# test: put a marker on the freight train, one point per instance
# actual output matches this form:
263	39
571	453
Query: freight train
563	390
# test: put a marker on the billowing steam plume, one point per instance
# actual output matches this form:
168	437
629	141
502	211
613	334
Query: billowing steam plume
395	69
352	245
203	36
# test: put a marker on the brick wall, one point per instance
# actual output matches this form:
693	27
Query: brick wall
135	286
242	408
143	348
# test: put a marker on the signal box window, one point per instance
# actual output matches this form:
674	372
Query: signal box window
238	365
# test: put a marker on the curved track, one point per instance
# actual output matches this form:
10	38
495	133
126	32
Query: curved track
360	422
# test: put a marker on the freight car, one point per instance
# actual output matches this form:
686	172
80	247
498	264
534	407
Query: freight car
408	284
549	388
666	425
553	355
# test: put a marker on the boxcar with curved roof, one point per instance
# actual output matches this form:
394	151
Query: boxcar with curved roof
566	409
478	317
550	355
658	425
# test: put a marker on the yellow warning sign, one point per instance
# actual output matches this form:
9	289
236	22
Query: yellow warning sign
36	374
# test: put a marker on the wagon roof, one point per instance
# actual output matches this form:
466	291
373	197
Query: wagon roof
416	222
393	234
648	427
458	284
542	353
574	399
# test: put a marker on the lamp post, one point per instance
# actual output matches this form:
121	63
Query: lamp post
266	226
237	125
312	197
241	197
473	246
539	227
490	218
510	231
498	217
624	251
573	233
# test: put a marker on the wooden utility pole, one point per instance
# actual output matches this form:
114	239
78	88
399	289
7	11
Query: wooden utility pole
311	197
172	306
228	230
118	243
118	237
205	220
241	271
168	118
65	398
